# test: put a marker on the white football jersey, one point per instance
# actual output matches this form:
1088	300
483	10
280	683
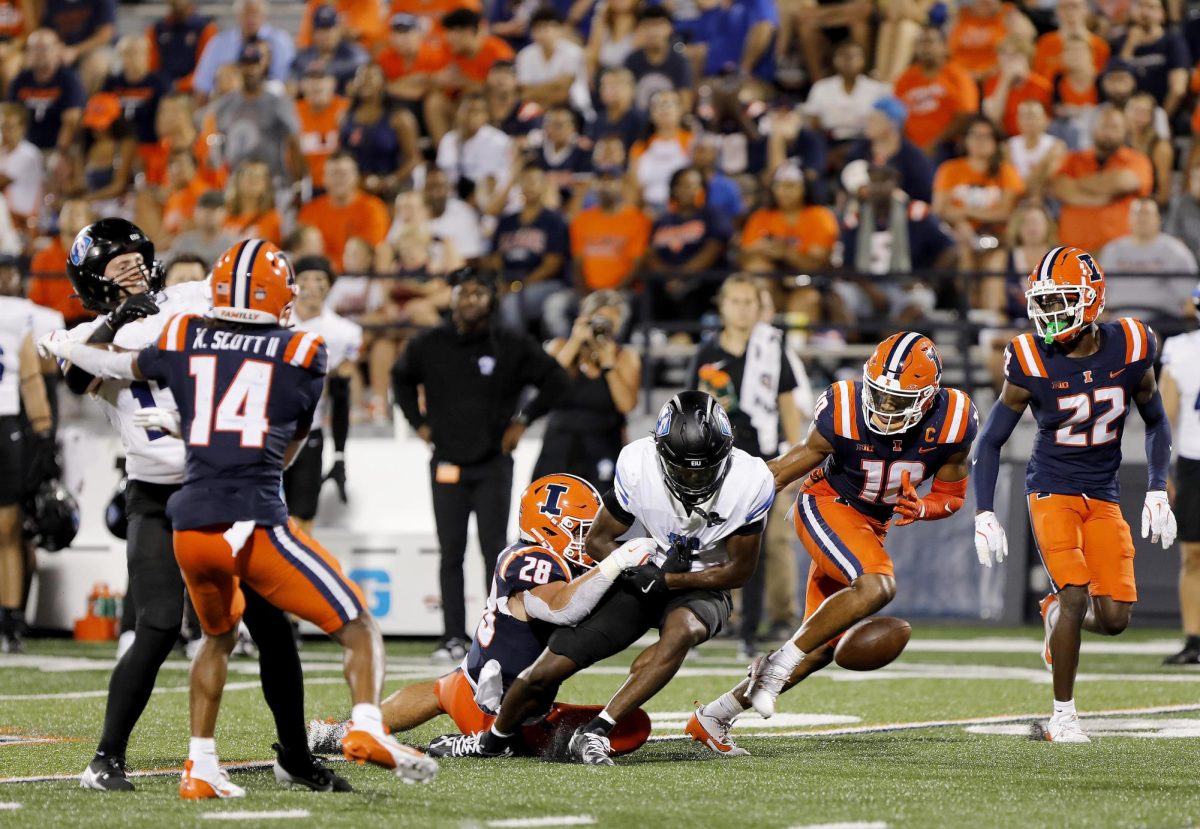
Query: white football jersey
150	456
16	323
745	498
1181	356
343	342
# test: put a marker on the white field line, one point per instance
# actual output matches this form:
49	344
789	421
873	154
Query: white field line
248	765
9	807
283	814
549	820
859	824
177	689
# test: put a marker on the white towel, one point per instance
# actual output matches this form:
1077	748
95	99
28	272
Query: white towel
759	397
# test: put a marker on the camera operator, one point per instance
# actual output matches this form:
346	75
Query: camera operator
586	430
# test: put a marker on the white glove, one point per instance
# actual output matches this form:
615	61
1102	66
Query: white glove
161	420
57	344
632	553
1158	521
991	545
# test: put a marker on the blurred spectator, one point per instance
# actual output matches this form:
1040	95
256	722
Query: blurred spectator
1030	236
529	251
87	30
586	428
432	13
475	155
257	124
552	69
900	25
1033	152
609	239
939	96
207	238
689	238
1072	19
50	91
185	267
617	113
657	64
463	66
330	48
885	145
812	24
304	240
450	218
1097	186
654	160
839	105
21	175
345	210
381	138
176	42
1183	219
977	32
506	111
1014	84
48	285
975	195
735	37
407	61
17	19
105	152
250	204
1139	112
790	141
720	191
566	161
228	46
184	189
1159	56
138	89
612	37
320	114
361	21
1147	250
1075	93
177	131
736	114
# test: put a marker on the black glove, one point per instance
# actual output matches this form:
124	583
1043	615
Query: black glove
647	579
337	474
43	460
133	308
679	559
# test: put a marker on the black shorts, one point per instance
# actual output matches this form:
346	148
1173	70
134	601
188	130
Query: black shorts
624	615
1187	499
302	480
12	470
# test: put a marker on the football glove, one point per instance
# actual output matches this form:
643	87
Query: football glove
56	344
337	474
155	419
633	553
945	498
648	579
991	545
679	558
1158	521
43	463
133	308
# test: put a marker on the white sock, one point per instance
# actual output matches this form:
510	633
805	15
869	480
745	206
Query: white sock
788	656
1064	708
367	717
202	751
607	717
724	707
497	733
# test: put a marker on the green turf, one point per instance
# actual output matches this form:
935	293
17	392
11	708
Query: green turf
926	777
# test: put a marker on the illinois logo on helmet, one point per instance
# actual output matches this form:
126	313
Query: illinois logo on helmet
253	282
1065	294
900	381
557	511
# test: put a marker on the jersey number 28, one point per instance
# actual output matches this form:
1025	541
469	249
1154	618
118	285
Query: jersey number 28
243	407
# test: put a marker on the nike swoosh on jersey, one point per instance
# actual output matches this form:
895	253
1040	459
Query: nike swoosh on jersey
1112	374
923	450
647	588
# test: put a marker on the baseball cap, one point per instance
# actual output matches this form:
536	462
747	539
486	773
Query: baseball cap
1119	64
316	69
211	199
101	111
314	263
325	17
789	173
894	109
609	171
402	22
251	53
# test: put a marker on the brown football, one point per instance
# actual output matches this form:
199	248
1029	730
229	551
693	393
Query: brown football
872	643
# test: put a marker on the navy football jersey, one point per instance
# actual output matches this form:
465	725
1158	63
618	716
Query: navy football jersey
866	467
511	642
1080	406
243	395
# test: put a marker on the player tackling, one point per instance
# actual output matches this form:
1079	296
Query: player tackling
1079	376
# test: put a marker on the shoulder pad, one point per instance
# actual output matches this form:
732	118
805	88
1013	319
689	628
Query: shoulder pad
1139	340
845	410
302	348
957	418
174	333
1025	350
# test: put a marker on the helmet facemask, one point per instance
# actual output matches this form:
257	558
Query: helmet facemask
694	485
891	409
575	553
1058	310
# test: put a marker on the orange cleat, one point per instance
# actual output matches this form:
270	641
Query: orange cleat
1049	610
713	733
192	787
407	763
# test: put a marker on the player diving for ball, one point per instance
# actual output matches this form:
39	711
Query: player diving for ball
871	444
1079	376
544	581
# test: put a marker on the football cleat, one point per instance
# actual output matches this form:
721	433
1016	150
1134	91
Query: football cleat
713	732
325	736
766	684
1064	728
105	774
464	745
306	770
451	650
193	787
1188	656
590	749
410	765
1049	609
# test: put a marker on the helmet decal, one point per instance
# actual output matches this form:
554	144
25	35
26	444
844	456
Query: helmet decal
556	512
554	492
663	427
79	249
723	421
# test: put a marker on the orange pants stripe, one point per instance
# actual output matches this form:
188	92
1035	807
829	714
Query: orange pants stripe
285	566
1084	541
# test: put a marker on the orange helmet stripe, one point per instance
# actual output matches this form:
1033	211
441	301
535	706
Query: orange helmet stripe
1136	345
958	412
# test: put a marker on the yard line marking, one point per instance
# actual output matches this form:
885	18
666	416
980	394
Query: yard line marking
561	820
9	807
854	824
175	689
283	814
247	765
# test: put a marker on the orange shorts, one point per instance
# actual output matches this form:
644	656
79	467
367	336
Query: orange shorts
284	565
1084	541
456	698
842	541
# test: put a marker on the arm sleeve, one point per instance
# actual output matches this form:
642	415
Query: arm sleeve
406	376
544	372
583	600
1158	442
1000	424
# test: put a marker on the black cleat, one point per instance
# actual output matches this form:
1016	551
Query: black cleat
1188	656
464	745
307	771
590	749
12	643
105	774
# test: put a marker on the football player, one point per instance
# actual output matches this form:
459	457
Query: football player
690	489
246	389
21	461
543	581
872	443
303	479
1079	376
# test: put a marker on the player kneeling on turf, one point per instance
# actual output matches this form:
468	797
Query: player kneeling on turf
246	388
544	581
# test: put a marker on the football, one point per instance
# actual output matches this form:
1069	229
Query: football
872	643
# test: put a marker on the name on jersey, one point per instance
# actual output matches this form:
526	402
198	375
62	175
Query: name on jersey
235	341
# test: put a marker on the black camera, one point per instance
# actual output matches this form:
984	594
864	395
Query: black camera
601	326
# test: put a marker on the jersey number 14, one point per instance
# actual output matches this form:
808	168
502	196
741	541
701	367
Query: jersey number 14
243	407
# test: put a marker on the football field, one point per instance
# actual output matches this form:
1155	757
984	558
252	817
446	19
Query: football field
939	739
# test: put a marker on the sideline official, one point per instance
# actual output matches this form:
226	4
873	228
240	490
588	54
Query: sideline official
473	372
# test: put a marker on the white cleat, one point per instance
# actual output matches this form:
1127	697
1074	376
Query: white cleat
1049	609
766	684
713	733
194	787
1064	728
